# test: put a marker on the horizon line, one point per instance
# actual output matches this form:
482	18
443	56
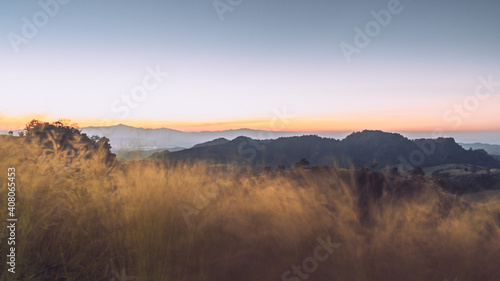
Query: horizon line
280	131
299	124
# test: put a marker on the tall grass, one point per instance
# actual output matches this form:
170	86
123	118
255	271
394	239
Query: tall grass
80	219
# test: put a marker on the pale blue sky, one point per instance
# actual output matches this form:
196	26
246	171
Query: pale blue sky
264	55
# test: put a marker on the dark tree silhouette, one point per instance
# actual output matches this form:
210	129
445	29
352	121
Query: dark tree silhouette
267	170
417	171
302	164
95	138
280	169
66	137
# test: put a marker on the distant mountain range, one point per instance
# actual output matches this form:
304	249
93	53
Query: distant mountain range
123	137
493	149
365	148
130	138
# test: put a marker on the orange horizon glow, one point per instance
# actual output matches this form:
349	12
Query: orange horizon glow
344	123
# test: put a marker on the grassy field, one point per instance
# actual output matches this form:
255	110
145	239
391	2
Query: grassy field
80	219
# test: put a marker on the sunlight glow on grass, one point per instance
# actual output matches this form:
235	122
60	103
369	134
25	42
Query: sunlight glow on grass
80	219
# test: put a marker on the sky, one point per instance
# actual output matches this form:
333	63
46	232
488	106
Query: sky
291	65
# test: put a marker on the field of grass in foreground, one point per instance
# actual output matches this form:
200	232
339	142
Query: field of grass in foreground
80	219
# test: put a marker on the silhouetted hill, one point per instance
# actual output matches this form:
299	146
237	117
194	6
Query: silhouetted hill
213	142
360	148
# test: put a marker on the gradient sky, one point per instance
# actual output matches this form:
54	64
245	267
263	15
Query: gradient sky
264	57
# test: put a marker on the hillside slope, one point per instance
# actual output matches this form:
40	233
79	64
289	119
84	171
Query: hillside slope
360	148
